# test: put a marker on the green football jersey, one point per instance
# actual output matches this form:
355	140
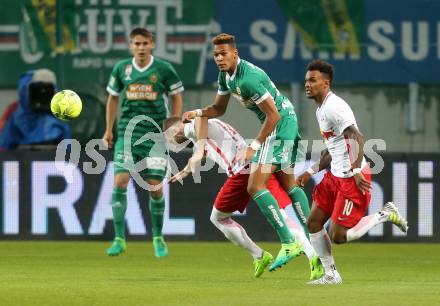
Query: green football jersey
251	85
143	91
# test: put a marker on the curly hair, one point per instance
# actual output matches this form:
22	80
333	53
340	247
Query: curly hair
322	66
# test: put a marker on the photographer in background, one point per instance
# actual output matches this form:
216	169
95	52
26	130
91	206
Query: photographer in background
28	121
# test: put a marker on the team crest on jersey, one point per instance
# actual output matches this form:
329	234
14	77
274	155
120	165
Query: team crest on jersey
238	90
153	78
128	70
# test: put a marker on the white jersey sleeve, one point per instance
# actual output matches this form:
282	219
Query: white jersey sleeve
189	130
341	115
222	144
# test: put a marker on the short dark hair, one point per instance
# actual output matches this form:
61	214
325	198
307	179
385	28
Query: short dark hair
141	31
168	122
323	67
224	38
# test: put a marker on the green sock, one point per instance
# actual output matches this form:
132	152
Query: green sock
269	207
119	206
300	204
157	207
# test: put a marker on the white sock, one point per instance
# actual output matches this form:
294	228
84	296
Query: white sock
234	232
323	247
299	234
365	224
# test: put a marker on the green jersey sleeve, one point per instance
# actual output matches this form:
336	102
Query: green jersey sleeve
254	90
172	80
222	88
115	85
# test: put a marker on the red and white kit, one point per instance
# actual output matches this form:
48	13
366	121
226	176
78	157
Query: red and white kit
337	194
223	143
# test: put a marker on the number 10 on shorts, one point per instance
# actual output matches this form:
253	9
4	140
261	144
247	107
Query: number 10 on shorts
348	207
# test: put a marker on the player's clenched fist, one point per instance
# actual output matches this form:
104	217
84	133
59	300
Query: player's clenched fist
188	116
108	139
303	179
362	184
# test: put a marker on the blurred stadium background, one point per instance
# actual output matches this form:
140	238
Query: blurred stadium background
387	60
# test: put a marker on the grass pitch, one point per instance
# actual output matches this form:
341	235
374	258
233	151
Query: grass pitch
79	273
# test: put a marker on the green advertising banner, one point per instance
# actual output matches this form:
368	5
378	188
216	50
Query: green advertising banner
81	40
327	25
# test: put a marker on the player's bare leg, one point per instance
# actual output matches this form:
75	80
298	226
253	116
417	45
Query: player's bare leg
157	207
235	233
119	207
300	202
269	207
321	242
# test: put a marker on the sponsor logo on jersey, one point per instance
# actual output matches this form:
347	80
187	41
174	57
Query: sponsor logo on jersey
141	92
128	70
327	134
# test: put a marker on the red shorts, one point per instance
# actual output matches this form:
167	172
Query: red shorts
340	198
234	196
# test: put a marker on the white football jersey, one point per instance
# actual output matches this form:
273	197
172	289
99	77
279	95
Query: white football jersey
334	116
222	144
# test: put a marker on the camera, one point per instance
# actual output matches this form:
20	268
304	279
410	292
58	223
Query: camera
40	94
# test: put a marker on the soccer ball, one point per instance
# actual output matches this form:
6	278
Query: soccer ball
66	105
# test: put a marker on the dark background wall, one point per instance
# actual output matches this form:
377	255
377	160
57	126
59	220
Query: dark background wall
39	200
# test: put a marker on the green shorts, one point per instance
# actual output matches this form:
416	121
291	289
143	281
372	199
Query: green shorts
281	146
149	160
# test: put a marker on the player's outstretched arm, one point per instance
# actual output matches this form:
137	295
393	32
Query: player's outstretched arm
181	175
110	117
176	105
201	128
217	109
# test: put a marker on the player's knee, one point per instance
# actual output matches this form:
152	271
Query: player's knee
156	188
121	181
253	189
313	225
157	194
338	238
213	218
